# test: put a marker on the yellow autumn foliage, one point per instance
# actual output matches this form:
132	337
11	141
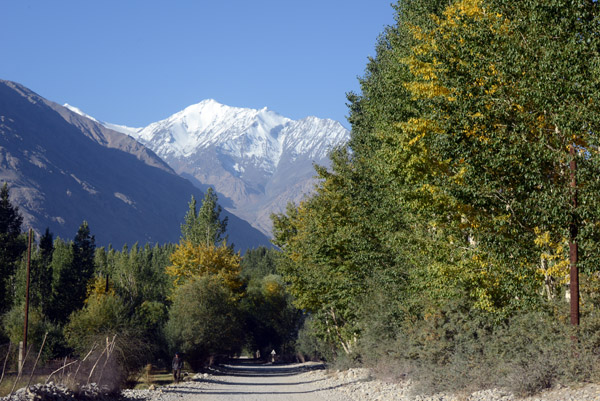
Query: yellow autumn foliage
190	261
97	288
553	255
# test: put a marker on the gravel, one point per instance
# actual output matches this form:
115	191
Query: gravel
287	382
357	384
55	392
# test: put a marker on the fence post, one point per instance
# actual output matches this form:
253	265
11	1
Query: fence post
21	349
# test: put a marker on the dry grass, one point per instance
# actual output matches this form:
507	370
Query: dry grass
157	377
9	381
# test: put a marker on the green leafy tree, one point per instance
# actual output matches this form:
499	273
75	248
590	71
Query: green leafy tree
44	269
84	247
258	263
62	261
204	321
321	265
137	273
359	233
46	246
271	320
205	226
134	278
453	208
507	104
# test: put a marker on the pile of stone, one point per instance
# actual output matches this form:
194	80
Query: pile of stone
55	392
358	384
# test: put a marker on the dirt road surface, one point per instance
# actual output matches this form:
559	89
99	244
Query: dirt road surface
245	381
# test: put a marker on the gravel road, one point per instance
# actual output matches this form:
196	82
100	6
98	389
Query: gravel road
246	382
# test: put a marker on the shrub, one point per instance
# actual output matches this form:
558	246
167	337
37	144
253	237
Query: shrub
464	349
37	325
310	345
102	325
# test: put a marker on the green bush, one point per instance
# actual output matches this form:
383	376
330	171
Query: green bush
38	325
104	314
310	345
104	320
464	349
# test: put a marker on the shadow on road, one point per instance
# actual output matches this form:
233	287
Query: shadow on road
250	368
255	380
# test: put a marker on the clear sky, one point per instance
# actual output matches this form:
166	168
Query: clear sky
134	62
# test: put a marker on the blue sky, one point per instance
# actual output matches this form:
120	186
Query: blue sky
134	62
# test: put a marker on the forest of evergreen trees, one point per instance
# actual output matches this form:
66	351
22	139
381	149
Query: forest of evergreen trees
444	242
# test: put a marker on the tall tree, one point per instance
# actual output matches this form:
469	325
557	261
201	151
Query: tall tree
44	267
84	248
357	234
73	268
509	93
205	225
46	246
62	262
12	244
258	263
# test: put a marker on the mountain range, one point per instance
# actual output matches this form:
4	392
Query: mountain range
63	168
257	160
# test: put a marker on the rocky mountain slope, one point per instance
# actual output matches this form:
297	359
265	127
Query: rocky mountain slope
257	160
63	168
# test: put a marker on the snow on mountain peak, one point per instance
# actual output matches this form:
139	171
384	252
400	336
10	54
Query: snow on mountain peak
77	110
248	136
119	128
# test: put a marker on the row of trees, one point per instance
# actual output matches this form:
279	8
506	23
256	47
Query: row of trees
199	296
471	173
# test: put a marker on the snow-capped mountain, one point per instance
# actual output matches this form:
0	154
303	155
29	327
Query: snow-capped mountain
63	168
257	160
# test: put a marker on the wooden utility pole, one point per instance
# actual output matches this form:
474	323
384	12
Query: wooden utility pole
573	248
22	350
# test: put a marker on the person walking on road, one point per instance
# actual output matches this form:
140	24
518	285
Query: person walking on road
177	365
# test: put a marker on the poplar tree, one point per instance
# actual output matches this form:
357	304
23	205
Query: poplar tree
509	95
205	225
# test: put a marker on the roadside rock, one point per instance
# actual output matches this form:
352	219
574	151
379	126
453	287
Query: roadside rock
358	384
54	392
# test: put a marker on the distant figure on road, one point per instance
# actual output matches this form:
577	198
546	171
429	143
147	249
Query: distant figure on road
177	365
273	353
